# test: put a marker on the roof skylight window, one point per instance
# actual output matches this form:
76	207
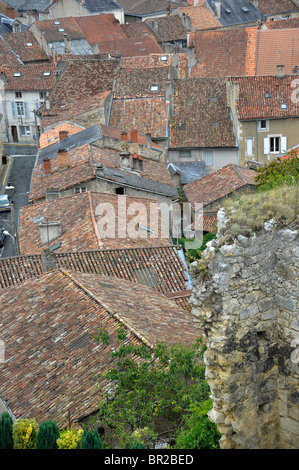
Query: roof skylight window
46	74
283	106
227	10
245	9
154	88
56	22
17	74
61	29
164	58
267	95
29	44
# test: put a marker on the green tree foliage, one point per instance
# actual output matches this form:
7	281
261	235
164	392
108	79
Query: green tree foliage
91	439
25	433
194	254
148	386
6	428
278	173
70	439
47	435
199	432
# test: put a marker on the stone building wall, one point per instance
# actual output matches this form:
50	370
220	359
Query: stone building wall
245	299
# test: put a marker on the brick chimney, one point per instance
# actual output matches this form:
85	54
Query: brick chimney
148	139
62	158
63	134
47	166
124	136
134	136
10	12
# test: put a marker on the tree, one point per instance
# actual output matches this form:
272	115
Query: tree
91	440
6	428
24	433
151	386
47	435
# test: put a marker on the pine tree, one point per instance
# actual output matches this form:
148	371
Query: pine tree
91	440
6	428
47	435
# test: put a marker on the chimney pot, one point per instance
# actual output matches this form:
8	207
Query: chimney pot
124	136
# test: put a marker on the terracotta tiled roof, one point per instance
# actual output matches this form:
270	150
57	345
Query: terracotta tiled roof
158	60
7	55
159	267
146	7
26	47
273	7
83	222
98	28
201	116
277	47
83	78
265	97
139	101
283	24
52	356
225	53
52	136
76	109
201	17
30	77
168	28
53	30
137	30
131	47
220	183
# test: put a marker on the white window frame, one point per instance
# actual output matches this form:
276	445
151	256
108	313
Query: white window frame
80	189
260	128
26	131
247	147
282	144
208	156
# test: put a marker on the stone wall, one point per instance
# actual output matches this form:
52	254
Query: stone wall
245	299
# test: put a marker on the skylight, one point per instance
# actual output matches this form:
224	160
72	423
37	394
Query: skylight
61	29
56	22
17	74
46	74
245	9
29	44
283	106
154	88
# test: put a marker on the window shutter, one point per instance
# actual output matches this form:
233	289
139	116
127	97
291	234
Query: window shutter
283	144
266	145
249	146
36	105
26	113
13	109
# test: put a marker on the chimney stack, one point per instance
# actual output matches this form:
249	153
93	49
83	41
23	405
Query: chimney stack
280	70
124	136
217	9
47	166
63	135
125	160
134	136
48	259
62	158
148	140
137	162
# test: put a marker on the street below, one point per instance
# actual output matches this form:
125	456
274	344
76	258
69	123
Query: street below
19	179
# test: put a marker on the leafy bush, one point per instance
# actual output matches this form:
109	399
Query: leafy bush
194	254
6	428
47	435
199	432
70	439
25	433
278	173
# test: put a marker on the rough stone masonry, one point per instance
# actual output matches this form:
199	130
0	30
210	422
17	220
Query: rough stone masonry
245	299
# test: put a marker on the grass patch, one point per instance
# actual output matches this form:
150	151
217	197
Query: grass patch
247	213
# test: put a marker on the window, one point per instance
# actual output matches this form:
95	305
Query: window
17	74
208	157
120	190
249	146
154	88
18	94
20	108
80	189
185	154
29	44
42	95
25	131
263	124
46	74
274	144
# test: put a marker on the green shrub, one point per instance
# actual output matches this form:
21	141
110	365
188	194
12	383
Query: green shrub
25	433
199	432
47	435
91	440
6	427
70	439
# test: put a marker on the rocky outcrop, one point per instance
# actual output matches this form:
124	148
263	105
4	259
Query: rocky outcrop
245	300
